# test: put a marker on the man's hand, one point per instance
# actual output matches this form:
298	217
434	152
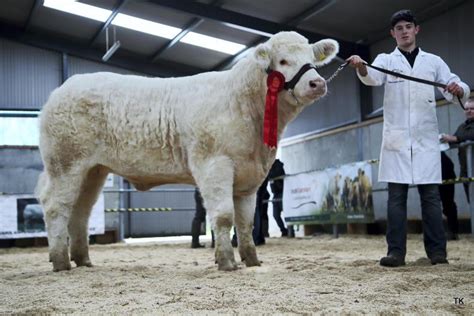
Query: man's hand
455	89
449	138
356	62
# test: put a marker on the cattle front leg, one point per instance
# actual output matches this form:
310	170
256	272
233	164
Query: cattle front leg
244	218
78	222
215	177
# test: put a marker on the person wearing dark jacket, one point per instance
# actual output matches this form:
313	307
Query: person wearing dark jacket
199	218
261	208
277	170
446	192
464	132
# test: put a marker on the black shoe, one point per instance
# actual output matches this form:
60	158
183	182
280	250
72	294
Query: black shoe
284	233
451	236
197	245
234	242
438	259
392	261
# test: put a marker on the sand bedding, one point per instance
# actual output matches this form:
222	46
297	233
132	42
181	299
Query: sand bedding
319	275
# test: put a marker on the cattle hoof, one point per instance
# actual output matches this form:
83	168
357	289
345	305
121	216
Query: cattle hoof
252	262
84	262
60	266
227	265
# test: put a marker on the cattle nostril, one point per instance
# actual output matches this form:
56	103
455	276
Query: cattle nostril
317	83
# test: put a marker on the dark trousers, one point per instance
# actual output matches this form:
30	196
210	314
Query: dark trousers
450	209
199	218
277	209
433	231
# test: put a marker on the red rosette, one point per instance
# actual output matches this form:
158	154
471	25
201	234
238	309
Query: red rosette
275	83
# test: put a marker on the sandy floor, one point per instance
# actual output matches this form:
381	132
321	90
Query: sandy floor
318	275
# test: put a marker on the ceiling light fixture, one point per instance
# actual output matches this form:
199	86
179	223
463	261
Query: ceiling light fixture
213	43
144	26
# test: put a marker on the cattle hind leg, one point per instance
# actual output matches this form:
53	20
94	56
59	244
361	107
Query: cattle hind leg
214	178
57	195
63	197
79	219
244	218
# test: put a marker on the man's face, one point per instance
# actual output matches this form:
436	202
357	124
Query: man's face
404	33
469	110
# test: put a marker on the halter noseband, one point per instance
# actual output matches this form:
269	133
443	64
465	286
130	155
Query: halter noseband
290	85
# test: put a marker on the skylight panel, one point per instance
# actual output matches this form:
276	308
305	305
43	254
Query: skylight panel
78	8
213	43
145	26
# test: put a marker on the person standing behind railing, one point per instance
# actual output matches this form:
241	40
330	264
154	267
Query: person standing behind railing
463	133
446	193
277	170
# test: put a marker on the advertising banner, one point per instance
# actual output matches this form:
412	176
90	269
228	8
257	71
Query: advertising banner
331	196
21	216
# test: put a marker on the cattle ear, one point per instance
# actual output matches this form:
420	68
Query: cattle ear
325	50
262	55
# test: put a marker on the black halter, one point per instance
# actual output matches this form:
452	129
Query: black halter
290	85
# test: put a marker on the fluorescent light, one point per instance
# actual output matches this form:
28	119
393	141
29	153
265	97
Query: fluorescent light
213	43
145	26
77	8
248	30
111	51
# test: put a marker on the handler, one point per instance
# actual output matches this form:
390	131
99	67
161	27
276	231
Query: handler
410	150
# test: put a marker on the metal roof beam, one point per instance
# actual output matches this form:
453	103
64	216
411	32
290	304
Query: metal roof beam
34	7
188	28
316	8
191	26
107	23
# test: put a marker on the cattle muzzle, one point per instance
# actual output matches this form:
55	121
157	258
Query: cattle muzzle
290	85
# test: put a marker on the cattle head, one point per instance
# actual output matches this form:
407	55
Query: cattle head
287	53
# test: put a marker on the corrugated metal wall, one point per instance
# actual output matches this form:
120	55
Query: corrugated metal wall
27	75
80	66
164	223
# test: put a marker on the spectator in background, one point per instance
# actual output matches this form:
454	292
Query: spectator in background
410	146
277	170
261	210
199	218
446	192
464	132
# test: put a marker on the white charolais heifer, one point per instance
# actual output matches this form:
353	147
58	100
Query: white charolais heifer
204	130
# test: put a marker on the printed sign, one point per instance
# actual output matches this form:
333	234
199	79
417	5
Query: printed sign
330	196
21	216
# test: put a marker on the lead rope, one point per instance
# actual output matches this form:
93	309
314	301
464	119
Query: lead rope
396	74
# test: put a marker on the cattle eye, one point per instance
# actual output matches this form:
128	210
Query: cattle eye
283	62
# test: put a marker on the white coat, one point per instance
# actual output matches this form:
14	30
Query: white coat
410	146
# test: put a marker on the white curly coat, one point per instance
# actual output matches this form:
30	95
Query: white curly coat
204	130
